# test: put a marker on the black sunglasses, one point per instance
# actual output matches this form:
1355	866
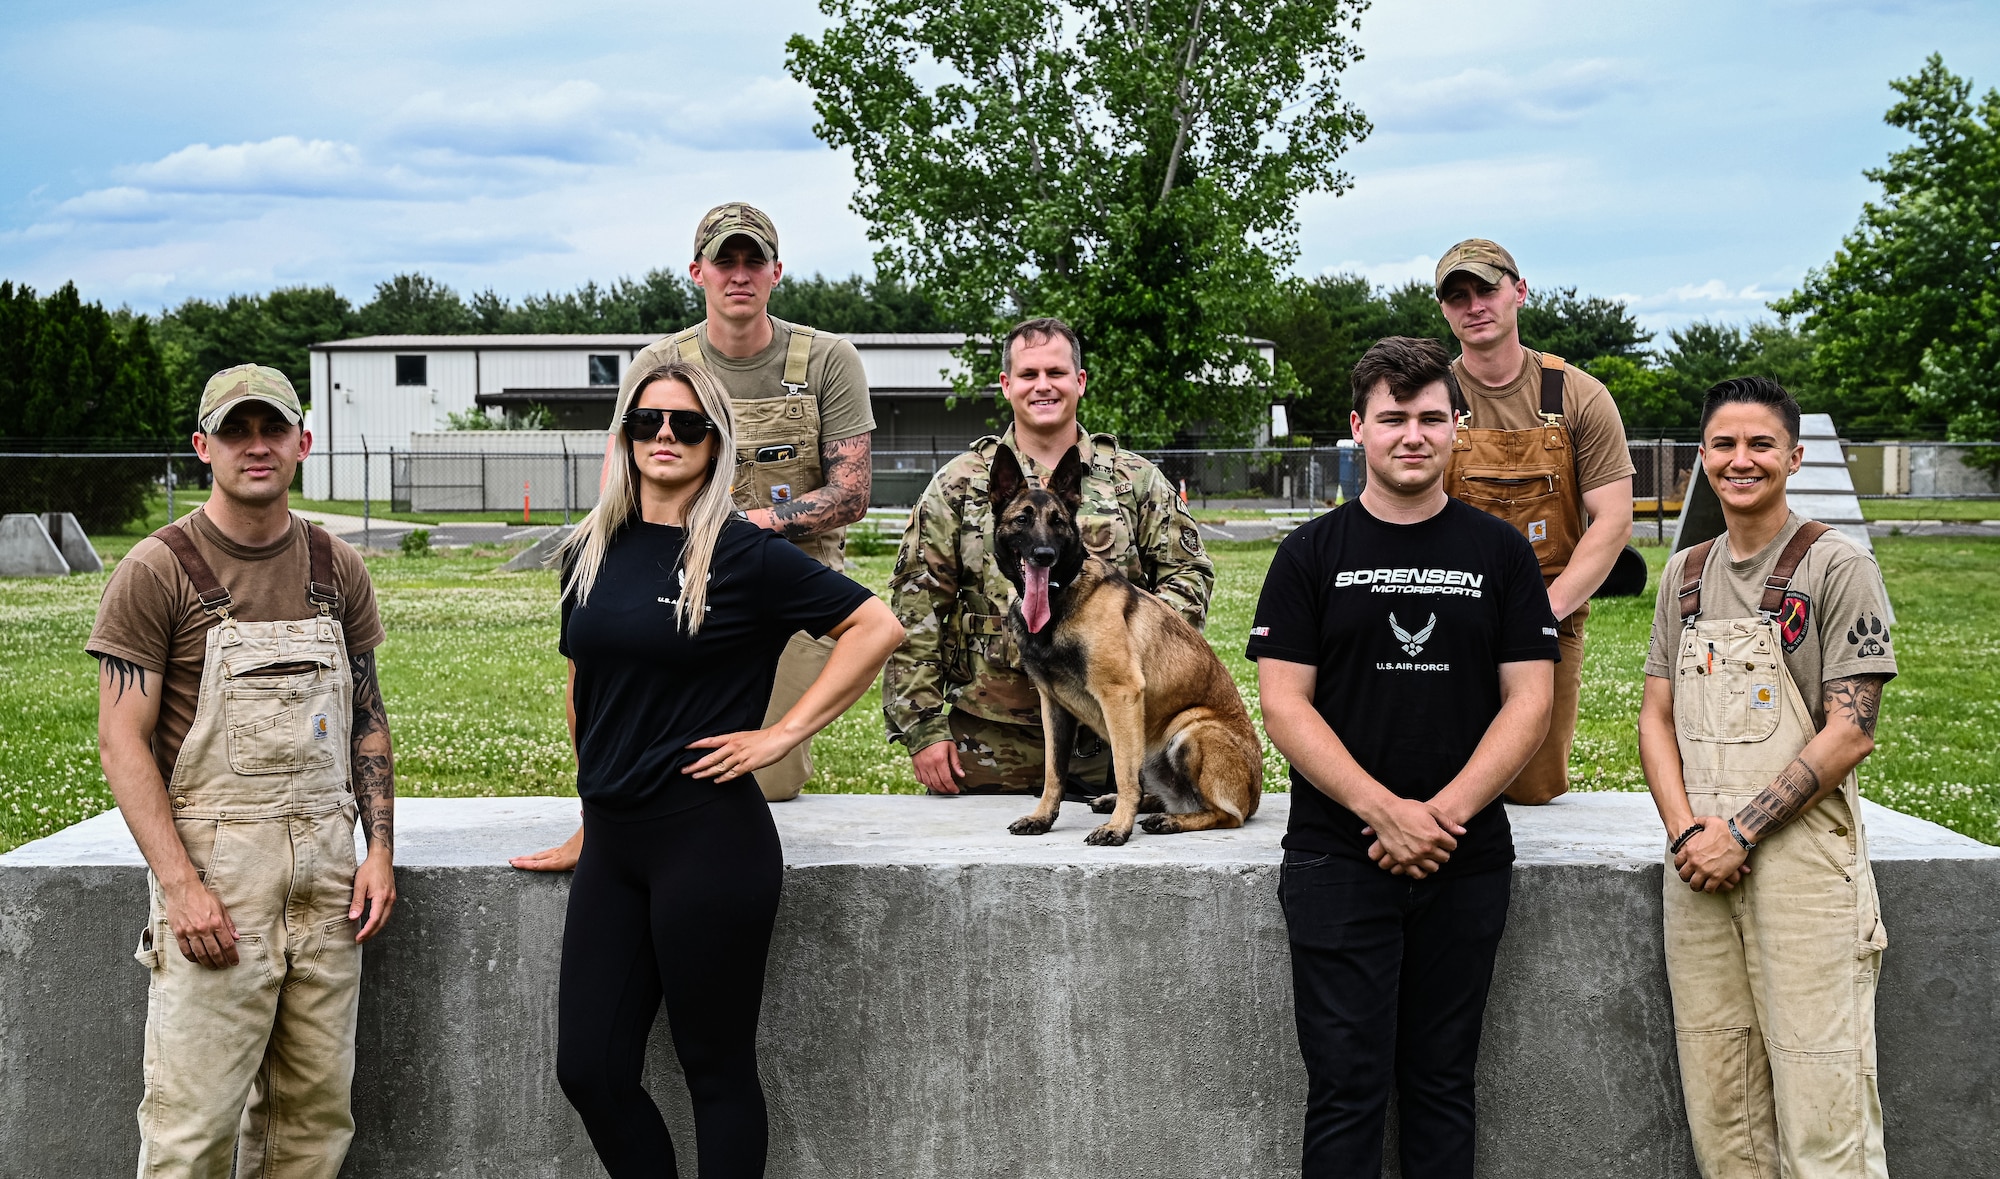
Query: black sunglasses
689	426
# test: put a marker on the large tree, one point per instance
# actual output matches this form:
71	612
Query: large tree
1906	318
1132	167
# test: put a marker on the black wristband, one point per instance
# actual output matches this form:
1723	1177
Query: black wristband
1681	841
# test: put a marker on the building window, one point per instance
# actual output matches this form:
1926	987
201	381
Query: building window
604	370
412	370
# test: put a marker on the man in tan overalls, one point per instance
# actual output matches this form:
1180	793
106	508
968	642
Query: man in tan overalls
1774	935
1540	445
242	732
803	425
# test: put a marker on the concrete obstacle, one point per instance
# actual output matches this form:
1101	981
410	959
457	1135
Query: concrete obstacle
26	549
945	999
74	544
539	554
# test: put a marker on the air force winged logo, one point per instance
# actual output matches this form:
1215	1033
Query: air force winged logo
1413	644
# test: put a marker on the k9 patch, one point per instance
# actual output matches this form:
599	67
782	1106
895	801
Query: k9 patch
320	727
1763	695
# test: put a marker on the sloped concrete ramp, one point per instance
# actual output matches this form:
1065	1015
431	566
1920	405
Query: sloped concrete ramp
947	1000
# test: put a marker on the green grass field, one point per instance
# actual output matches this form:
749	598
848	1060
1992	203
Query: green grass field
474	685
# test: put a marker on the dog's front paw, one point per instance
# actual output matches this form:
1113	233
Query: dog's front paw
1031	825
1108	836
1104	804
1161	824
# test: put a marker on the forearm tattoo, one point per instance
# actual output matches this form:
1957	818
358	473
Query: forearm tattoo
127	673
1857	699
1779	803
373	769
843	500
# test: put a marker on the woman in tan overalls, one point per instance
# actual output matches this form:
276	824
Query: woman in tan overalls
1773	928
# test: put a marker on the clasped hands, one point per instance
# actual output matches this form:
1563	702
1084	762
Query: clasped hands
1412	838
1712	861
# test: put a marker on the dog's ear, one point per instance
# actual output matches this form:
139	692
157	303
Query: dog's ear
1067	482
1004	478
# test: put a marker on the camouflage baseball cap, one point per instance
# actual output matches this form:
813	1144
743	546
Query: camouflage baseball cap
1478	257
726	221
247	382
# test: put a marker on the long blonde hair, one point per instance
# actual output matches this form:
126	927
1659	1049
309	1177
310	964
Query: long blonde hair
618	502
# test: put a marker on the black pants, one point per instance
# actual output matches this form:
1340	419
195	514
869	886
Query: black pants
679	907
1389	981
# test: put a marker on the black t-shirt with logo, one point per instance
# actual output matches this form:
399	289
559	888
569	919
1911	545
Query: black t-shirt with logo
1408	625
645	688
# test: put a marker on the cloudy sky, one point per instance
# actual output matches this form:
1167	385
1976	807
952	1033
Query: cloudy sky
1694	158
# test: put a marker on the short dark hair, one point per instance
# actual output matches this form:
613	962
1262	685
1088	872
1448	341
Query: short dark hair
1046	328
1410	365
1755	391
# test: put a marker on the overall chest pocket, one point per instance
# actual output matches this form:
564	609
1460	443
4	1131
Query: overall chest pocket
1728	688
283	725
1530	499
777	450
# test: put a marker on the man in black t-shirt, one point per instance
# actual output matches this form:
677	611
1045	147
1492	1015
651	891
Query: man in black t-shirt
1405	655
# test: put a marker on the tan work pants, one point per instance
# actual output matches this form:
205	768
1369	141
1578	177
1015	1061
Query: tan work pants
1547	773
804	658
255	1061
1774	982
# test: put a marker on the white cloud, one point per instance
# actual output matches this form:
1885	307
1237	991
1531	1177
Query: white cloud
1389	274
1479	98
284	165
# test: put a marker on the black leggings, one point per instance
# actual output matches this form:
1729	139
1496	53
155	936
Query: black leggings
679	907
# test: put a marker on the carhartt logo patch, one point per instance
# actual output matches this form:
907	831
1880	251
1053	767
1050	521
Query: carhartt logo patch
1763	695
320	726
1538	530
781	493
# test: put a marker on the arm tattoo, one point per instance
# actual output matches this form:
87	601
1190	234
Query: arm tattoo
373	767
127	672
1858	699
1779	803
843	500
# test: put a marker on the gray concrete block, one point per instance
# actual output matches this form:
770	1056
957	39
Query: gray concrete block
72	542
944	999
26	550
540	554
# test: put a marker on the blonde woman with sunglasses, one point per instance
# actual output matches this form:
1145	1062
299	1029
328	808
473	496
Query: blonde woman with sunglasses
675	610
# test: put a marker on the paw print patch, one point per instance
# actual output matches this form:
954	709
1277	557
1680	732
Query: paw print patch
1868	637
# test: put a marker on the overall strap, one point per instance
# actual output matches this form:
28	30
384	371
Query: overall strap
796	354
1552	385
687	342
320	589
214	598
1788	564
1690	595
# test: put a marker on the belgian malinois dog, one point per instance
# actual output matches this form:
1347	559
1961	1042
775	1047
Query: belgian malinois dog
1104	653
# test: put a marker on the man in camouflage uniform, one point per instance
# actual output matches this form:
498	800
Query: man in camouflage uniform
953	599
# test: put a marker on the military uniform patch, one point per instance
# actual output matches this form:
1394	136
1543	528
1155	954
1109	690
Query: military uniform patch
1794	619
1191	541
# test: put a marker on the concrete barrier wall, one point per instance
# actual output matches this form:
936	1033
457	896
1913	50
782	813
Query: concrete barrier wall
948	1000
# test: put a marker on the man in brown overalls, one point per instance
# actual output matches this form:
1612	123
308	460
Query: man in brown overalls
803	425
1540	445
1774	933
242	732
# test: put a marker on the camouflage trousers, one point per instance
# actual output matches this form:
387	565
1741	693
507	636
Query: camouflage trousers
1000	758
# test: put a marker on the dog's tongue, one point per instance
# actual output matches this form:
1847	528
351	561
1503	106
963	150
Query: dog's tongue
1035	596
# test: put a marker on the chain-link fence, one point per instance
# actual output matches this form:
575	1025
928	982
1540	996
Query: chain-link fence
110	490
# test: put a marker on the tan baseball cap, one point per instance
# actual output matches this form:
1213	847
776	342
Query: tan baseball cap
247	382
726	221
1482	259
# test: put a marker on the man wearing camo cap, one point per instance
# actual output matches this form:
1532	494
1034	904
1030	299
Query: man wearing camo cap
242	730
1540	445
803	424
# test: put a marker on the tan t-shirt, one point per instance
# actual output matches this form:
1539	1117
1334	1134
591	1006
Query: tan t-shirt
1834	623
833	376
1595	429
151	616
